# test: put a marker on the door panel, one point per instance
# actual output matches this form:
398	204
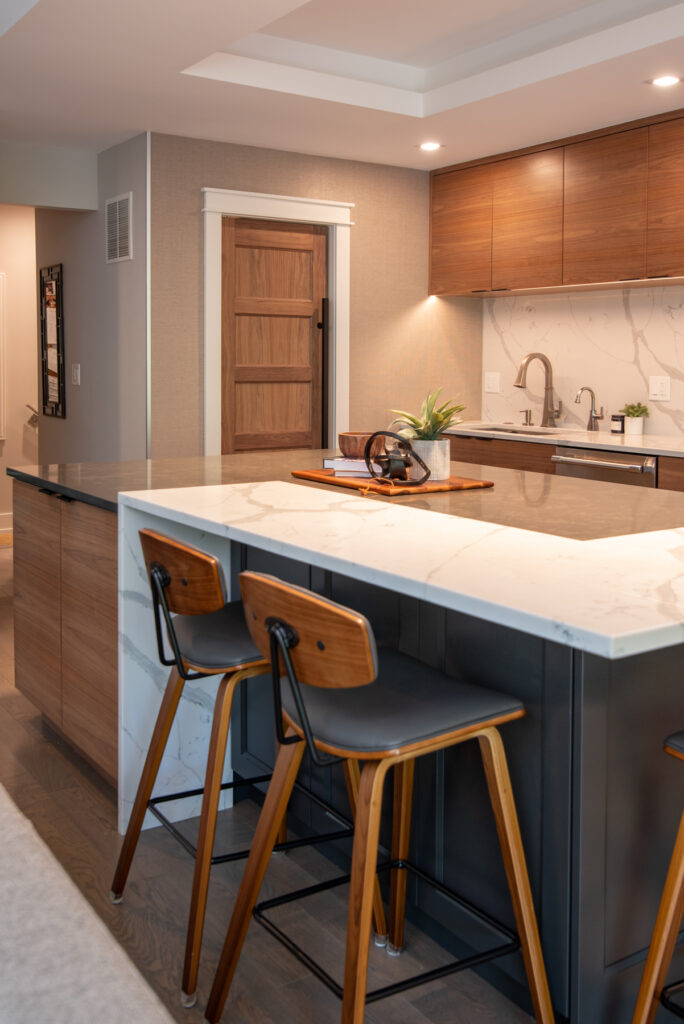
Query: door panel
461	231
274	281
665	250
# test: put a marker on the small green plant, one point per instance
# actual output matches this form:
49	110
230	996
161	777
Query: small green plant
634	409
431	421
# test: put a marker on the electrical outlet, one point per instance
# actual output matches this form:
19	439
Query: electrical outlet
659	389
492	383
75	373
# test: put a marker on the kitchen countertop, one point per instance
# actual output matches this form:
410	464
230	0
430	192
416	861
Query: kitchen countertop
648	444
561	506
613	596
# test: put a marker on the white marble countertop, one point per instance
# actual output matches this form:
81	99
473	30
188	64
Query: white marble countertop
613	597
648	444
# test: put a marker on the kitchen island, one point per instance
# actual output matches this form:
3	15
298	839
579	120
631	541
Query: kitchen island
565	593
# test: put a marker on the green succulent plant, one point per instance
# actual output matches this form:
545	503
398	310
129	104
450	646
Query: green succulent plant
431	421
634	409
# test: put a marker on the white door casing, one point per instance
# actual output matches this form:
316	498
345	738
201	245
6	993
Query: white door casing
219	203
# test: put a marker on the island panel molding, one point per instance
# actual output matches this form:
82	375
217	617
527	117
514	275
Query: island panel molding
219	203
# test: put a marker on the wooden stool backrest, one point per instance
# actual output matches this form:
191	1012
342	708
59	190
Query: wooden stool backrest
335	646
194	578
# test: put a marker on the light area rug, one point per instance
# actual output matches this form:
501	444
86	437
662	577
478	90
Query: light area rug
58	962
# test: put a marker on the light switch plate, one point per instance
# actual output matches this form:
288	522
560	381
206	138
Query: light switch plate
75	373
659	389
492	383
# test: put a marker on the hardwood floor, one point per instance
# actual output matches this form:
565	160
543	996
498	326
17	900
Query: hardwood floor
75	813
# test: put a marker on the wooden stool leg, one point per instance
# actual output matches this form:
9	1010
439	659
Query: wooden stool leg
352	777
155	752
207	831
501	796
401	838
664	936
363	875
279	790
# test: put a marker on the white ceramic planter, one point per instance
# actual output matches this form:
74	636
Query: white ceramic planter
634	425
435	455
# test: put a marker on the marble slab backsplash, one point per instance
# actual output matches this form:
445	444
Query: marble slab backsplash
612	341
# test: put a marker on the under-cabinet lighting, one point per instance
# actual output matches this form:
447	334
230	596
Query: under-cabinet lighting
664	80
430	147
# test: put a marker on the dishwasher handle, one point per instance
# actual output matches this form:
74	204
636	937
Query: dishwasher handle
647	466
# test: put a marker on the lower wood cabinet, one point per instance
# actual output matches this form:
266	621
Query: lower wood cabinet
670	473
65	618
509	454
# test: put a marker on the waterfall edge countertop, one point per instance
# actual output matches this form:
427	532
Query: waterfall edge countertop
611	596
597	566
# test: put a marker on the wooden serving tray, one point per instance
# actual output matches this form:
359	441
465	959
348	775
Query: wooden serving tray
368	485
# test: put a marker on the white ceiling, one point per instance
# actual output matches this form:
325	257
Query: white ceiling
366	80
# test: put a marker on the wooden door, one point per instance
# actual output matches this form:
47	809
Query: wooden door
274	280
37	604
461	231
527	221
604	231
90	707
665	242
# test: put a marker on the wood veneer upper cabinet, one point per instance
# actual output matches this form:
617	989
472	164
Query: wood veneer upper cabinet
461	231
665	238
37	599
604	233
527	221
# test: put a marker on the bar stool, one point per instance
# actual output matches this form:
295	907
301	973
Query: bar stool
328	656
208	637
668	922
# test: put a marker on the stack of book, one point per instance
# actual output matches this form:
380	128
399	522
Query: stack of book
342	466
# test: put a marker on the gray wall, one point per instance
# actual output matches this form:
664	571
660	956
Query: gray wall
105	321
56	176
402	344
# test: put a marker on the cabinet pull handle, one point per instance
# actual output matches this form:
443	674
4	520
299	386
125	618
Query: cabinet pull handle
46	490
65	497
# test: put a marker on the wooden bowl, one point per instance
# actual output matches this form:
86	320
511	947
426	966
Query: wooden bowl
352	443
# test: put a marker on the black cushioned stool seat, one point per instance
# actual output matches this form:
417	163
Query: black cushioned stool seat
408	702
216	640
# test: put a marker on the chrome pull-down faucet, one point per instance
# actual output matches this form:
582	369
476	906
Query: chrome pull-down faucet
550	414
594	416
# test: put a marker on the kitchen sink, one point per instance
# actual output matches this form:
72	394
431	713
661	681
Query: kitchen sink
508	428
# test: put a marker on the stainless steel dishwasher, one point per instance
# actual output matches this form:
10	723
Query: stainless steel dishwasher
615	467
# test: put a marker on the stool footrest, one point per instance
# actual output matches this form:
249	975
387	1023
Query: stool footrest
346	832
511	945
670	990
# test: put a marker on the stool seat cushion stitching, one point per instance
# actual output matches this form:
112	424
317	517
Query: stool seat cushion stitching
407	703
217	639
676	742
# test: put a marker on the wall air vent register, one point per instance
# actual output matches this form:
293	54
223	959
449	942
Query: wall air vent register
119	228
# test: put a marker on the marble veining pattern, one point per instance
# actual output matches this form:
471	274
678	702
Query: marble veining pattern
613	597
611	340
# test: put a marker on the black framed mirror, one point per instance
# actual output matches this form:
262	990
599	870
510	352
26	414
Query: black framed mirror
52	340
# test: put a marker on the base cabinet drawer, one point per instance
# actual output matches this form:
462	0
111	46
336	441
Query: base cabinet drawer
484	451
670	473
65	618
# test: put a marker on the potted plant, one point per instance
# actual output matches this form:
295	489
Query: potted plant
425	430
634	413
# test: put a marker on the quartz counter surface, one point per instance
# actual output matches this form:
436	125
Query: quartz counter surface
647	444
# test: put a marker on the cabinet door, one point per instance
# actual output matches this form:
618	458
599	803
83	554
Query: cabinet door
37	605
461	231
527	221
482	451
89	632
604	229
665	241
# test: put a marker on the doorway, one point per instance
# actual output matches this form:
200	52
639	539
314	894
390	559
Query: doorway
273	359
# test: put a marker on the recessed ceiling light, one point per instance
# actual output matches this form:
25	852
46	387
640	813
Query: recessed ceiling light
430	147
664	80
